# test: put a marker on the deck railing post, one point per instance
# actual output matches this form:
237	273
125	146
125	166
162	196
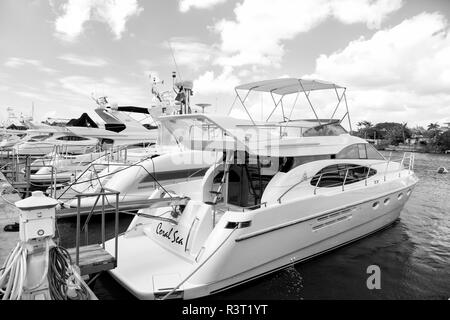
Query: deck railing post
28	173
54	182
77	239
103	218
367	175
318	181
345	179
117	227
86	235
52	179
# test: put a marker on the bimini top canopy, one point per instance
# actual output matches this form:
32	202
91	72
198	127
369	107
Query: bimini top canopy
287	86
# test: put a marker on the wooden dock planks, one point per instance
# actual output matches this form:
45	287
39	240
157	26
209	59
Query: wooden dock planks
93	259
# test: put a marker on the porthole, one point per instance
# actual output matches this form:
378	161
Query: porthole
386	201
375	205
400	196
409	192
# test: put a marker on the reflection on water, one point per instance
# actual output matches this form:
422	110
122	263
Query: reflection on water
413	254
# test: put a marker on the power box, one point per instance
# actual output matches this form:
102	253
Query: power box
37	216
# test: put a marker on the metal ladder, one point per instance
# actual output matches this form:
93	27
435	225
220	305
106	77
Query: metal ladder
218	193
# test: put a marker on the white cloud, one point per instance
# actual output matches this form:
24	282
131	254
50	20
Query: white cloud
73	14
32	95
83	61
108	86
186	5
208	83
191	53
405	68
15	62
414	54
370	12
255	35
146	63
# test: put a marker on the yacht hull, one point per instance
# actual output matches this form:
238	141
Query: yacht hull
243	255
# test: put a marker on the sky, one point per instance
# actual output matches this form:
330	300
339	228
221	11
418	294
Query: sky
393	56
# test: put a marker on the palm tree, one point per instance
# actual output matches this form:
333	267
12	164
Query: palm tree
433	129
367	125
433	126
404	125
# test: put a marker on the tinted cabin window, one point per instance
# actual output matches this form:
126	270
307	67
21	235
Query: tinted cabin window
335	175
72	138
39	138
289	163
362	151
373	153
286	164
359	151
328	129
350	152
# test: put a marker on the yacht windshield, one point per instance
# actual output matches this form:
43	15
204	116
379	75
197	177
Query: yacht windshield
189	131
329	129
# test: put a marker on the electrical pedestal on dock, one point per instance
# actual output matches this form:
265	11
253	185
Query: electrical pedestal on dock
38	269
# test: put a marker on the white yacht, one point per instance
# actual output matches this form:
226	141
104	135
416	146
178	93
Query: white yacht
283	192
166	162
119	133
44	141
119	129
11	138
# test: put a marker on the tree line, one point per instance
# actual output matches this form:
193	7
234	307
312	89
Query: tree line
432	139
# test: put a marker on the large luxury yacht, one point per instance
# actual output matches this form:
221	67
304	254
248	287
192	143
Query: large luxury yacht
46	140
167	161
281	193
119	134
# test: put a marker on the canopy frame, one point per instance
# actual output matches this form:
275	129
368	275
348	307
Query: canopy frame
287	86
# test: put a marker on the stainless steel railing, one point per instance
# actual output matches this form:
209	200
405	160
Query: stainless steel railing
407	156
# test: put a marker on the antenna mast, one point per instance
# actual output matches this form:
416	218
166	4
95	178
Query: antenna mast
174	60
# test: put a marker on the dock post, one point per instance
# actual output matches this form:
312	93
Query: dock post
103	218
55	176
77	239
117	228
28	174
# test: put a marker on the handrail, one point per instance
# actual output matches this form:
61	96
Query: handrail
104	192
112	173
92	165
254	206
401	168
315	187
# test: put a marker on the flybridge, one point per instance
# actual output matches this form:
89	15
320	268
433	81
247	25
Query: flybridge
214	132
218	133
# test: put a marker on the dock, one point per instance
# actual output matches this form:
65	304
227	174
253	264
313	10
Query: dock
9	214
93	259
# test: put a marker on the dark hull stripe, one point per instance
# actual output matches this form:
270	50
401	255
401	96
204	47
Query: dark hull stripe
173	175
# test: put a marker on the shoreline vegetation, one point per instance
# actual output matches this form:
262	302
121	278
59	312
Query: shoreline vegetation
393	136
